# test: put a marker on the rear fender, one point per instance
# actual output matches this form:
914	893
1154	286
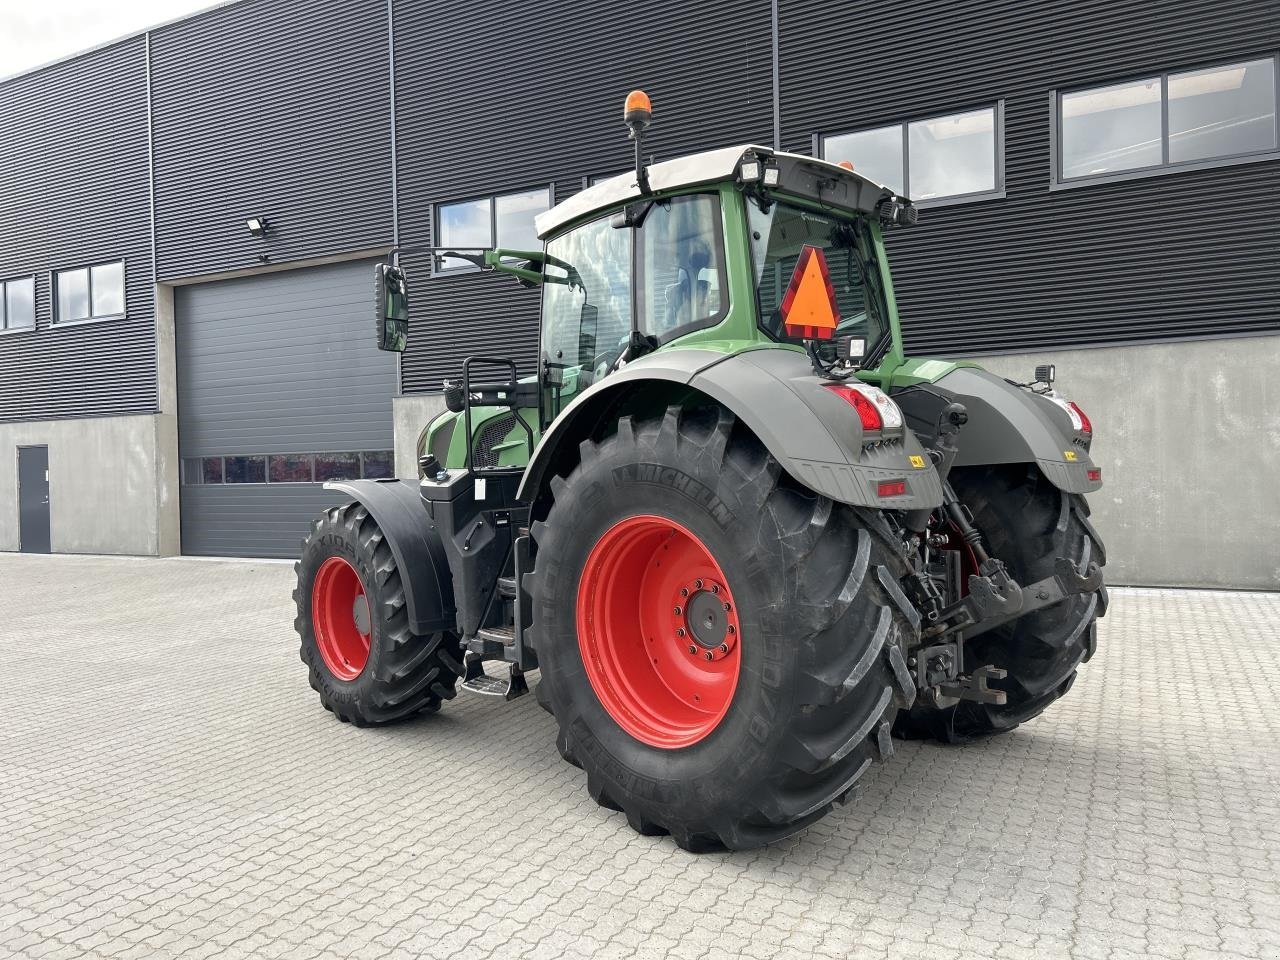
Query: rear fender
416	547
1007	424
816	436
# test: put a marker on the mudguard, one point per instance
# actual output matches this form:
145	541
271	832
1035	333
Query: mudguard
814	434
418	552
1007	424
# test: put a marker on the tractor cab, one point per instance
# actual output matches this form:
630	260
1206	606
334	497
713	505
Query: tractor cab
722	252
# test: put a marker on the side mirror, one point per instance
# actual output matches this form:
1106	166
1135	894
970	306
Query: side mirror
391	305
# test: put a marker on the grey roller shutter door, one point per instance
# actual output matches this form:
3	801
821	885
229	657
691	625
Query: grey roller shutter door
283	363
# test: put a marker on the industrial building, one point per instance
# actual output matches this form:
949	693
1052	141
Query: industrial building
189	218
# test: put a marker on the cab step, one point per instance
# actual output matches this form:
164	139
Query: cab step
493	642
507	588
476	681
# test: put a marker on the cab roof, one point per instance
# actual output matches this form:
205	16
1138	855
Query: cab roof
711	166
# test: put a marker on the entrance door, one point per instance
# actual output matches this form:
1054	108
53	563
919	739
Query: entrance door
33	499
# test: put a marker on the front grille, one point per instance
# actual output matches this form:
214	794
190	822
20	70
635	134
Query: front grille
493	433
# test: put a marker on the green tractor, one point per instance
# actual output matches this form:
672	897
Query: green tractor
742	538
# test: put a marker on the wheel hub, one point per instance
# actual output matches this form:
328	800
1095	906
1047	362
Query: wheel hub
658	631
703	615
340	618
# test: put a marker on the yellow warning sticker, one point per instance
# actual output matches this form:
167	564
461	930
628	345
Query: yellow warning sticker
1069	454
917	462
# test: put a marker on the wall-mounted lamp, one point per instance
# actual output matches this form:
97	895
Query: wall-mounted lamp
257	226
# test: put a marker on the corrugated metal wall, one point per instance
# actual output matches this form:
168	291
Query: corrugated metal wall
282	110
488	102
279	110
1181	255
73	191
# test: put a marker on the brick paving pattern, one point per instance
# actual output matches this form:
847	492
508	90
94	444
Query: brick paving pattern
170	787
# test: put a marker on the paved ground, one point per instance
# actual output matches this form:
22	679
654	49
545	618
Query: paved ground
169	786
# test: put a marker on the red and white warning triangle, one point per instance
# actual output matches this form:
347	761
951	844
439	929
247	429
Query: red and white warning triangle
809	309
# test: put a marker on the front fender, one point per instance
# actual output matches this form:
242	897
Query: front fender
416	547
814	435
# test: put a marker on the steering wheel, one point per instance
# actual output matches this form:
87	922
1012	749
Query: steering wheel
606	360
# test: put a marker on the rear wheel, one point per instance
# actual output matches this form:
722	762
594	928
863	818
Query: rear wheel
718	645
365	663
1027	522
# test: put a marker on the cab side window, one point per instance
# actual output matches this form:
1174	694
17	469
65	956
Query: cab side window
586	295
680	273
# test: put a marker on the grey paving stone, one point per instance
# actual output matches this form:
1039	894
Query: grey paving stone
169	787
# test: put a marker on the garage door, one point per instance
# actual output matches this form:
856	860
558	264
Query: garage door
280	387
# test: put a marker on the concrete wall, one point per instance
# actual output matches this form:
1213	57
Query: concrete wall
1188	437
409	415
103	484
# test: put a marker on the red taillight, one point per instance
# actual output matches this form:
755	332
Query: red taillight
1095	473
867	411
1085	425
891	488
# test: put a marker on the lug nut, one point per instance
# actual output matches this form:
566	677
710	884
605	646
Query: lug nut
692	648
732	628
709	655
697	584
724	648
684	591
728	607
715	588
679	631
677	611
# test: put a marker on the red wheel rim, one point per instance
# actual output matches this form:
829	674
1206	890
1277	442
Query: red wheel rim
340	618
658	631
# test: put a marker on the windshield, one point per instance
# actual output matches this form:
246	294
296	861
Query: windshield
586	297
777	237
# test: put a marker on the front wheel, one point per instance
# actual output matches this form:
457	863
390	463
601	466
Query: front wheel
717	643
363	660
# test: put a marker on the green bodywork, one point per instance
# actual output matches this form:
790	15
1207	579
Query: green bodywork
738	331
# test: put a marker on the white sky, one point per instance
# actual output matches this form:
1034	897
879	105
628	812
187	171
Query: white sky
33	32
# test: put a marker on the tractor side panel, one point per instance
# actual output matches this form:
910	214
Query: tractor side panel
416	547
815	435
1007	424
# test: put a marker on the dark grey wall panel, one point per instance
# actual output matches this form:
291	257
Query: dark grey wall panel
272	109
74	191
1175	256
282	363
488	104
251	521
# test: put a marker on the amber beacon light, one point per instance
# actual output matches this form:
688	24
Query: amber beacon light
638	112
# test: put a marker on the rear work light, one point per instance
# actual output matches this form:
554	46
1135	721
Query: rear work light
1095	473
891	488
875	409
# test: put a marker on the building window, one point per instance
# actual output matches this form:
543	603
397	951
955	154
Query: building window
90	293
288	468
18	304
947	158
504	221
1161	123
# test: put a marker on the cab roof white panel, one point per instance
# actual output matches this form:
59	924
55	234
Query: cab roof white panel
688	171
